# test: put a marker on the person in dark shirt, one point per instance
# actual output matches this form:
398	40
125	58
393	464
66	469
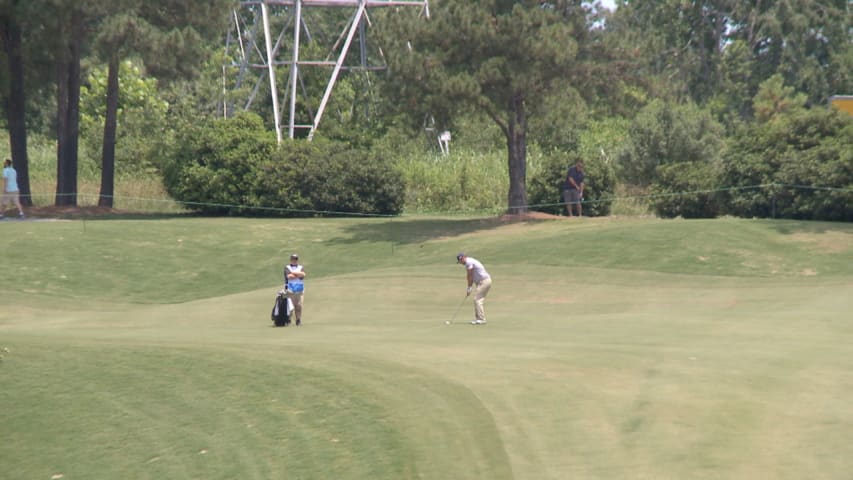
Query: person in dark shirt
573	192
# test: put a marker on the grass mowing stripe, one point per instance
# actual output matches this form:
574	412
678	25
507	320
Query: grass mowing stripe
177	260
612	350
186	413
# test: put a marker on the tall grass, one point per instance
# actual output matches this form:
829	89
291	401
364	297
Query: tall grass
630	201
465	181
468	180
135	192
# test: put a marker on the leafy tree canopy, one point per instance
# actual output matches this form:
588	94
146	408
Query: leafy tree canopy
498	57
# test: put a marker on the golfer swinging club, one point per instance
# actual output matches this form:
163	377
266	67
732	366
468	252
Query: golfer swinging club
479	282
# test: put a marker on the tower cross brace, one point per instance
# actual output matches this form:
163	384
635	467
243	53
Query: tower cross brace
248	57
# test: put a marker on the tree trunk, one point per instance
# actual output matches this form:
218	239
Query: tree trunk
516	140
61	128
14	105
68	121
110	126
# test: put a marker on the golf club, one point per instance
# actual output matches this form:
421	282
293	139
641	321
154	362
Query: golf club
453	318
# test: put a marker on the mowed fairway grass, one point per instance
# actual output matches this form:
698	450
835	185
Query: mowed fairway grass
615	348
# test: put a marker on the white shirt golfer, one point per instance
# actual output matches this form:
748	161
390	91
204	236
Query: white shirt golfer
479	281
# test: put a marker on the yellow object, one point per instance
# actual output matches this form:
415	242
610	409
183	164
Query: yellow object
842	102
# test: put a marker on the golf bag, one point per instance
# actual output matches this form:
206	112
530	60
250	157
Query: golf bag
280	316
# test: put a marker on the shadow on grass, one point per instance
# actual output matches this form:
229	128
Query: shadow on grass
399	230
407	231
790	227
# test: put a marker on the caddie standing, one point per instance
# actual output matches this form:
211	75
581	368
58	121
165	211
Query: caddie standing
479	282
294	285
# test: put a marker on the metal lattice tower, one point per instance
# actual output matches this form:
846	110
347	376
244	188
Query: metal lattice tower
251	60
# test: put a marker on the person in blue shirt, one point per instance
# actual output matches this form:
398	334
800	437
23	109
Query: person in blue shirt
10	189
294	285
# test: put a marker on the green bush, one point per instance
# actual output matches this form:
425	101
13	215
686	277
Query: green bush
276	181
664	133
338	179
233	166
797	166
545	188
685	190
213	166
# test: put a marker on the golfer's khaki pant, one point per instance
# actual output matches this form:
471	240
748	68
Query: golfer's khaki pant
296	298
11	198
480	298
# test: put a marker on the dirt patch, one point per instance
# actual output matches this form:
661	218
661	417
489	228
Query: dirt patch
526	217
827	242
71	212
53	211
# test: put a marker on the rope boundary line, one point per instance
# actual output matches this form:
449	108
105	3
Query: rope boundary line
189	205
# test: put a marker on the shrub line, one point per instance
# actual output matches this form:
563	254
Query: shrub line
529	206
